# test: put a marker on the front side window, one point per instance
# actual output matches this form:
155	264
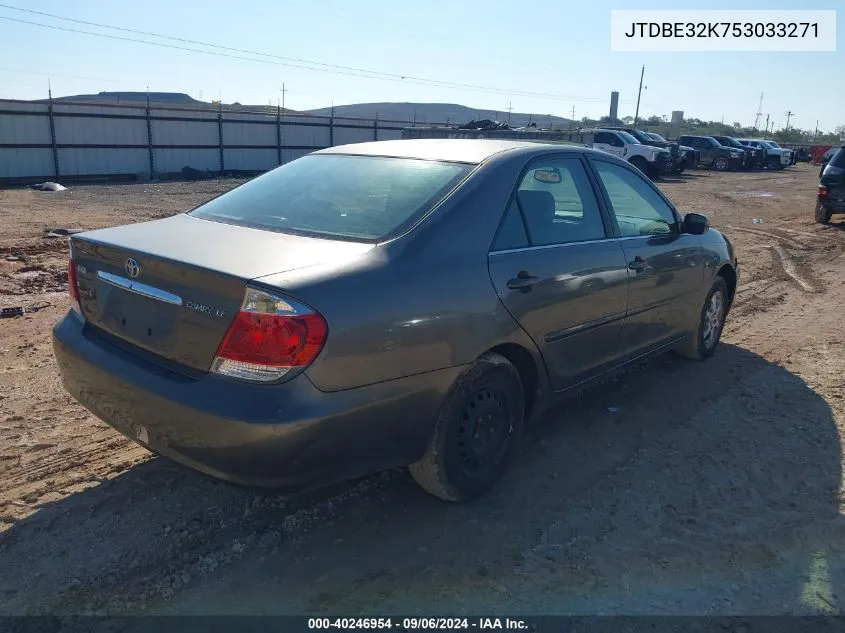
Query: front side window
336	195
558	203
638	208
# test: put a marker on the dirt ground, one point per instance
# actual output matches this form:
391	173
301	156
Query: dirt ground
678	488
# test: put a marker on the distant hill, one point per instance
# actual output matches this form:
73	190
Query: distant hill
452	113
160	98
171	99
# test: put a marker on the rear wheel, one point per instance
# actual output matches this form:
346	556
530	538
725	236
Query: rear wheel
703	340
476	432
773	162
822	214
720	163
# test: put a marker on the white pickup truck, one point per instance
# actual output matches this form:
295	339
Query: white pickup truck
652	161
776	157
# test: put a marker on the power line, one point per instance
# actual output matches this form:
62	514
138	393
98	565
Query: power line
284	61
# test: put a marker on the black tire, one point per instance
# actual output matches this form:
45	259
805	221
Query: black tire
773	162
458	464
721	163
698	346
822	214
640	163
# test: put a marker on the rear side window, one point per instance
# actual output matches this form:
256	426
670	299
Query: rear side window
340	196
838	159
512	232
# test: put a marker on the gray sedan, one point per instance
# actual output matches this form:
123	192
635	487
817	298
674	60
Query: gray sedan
385	304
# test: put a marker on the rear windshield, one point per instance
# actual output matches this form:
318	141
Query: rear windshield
838	159
340	196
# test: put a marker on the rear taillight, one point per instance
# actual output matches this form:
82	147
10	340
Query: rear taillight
269	337
73	287
822	191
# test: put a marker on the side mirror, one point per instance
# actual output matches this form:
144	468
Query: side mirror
695	224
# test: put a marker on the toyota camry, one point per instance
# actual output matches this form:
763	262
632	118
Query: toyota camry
379	305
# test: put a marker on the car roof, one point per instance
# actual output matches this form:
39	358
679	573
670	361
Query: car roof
449	149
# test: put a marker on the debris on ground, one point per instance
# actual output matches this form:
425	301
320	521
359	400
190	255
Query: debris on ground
756	221
189	173
484	124
16	311
48	186
60	232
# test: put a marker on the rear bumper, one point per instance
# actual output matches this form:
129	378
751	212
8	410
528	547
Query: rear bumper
290	435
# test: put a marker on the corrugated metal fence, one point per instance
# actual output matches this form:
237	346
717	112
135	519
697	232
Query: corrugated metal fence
80	141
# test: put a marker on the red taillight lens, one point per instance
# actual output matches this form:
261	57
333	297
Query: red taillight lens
822	190
269	337
73	287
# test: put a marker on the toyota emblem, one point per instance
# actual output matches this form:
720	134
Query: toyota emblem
133	268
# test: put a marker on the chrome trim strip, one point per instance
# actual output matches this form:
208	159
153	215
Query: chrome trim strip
139	288
546	246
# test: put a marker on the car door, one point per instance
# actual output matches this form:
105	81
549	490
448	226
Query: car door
665	267
558	273
610	143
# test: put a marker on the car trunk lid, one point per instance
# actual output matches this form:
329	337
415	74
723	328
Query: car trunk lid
172	287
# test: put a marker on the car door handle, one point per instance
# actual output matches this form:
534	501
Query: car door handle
523	281
638	264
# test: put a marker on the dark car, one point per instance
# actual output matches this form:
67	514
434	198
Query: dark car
688	155
831	196
713	154
648	139
384	304
754	156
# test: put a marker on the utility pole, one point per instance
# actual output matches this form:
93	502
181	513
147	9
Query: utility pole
816	133
510	109
767	126
283	96
789	115
572	120
759	112
639	94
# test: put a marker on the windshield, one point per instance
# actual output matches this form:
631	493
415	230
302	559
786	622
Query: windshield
353	197
627	137
657	137
642	137
773	144
728	141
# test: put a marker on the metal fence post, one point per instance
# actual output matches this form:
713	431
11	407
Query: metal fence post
331	129
375	128
220	134
279	134
53	136
150	141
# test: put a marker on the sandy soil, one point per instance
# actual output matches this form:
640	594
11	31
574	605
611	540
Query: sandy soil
707	488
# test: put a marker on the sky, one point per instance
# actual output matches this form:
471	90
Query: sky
543	59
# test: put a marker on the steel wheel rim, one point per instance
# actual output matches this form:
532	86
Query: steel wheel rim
721	164
484	430
713	319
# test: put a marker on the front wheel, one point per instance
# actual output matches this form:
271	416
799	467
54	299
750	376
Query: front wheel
703	340
640	163
720	163
476	432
